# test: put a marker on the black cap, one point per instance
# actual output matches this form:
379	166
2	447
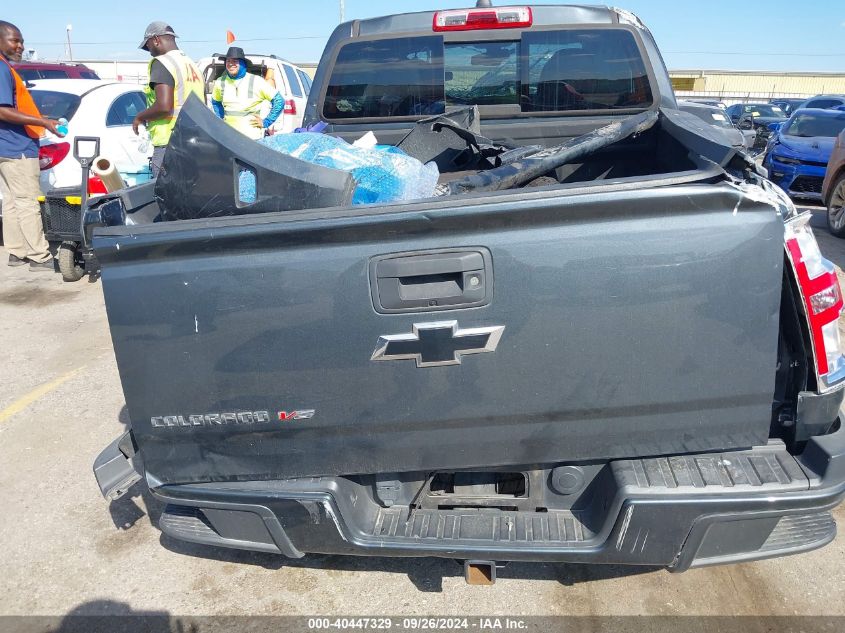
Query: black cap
234	52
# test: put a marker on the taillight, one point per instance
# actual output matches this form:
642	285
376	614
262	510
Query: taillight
51	155
96	186
821	296
476	19
290	106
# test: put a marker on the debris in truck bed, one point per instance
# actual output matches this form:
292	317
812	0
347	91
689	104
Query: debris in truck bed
210	170
382	173
453	141
530	167
201	166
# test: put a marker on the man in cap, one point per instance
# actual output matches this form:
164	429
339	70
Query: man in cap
173	77
245	101
21	125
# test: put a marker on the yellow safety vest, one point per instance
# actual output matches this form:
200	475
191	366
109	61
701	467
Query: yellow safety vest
242	98
187	79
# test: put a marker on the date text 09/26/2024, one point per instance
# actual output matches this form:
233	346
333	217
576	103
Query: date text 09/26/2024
417	624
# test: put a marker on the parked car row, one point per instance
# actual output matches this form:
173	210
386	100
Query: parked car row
105	109
717	117
30	71
803	144
92	107
798	152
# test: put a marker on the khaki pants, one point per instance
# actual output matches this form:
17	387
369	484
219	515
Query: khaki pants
156	160
23	232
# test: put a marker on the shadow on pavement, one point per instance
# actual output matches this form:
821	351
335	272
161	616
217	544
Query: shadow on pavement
126	512
108	616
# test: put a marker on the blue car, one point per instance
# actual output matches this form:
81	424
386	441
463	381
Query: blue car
798	152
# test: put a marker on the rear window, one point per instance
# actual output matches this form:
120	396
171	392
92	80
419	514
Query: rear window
583	70
87	74
809	125
387	78
306	80
28	75
824	103
713	117
544	71
215	70
55	105
763	110
53	74
293	81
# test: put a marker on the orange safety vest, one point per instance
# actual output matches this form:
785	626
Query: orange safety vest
24	103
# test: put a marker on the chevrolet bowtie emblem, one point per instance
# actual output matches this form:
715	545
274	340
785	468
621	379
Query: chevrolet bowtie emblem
439	343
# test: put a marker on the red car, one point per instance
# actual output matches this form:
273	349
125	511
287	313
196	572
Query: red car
30	71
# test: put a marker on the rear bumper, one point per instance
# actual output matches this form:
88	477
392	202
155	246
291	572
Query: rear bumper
676	512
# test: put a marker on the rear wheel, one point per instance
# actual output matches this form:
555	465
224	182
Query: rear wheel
836	208
71	264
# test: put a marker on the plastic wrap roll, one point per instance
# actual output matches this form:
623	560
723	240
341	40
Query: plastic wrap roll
105	169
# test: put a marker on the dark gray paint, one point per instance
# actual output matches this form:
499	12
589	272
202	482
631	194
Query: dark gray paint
200	173
636	324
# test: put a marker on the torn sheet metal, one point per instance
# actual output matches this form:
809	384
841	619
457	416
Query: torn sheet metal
527	169
199	177
452	141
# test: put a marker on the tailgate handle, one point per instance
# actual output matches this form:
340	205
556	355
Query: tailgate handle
431	280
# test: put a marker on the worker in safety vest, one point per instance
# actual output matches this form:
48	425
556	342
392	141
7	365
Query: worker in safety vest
173	77
247	102
21	125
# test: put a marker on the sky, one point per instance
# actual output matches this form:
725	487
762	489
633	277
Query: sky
775	35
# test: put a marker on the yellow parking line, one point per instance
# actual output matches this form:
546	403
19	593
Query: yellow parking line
22	403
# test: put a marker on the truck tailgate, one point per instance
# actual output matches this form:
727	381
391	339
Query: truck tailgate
627	324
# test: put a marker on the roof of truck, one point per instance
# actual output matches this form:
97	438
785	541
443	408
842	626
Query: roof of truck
543	15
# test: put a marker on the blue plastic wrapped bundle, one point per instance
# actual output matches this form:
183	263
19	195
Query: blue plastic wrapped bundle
382	173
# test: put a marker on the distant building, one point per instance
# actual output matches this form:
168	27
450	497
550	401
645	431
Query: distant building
732	86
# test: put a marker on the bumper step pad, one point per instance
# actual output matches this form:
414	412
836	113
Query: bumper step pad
727	472
481	525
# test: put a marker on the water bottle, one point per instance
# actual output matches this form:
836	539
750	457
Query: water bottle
62	128
144	142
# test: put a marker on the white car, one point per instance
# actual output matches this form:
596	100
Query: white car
93	107
292	82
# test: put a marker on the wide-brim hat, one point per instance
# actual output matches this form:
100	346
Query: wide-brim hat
234	52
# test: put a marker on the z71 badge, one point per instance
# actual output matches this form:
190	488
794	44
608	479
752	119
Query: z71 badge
229	418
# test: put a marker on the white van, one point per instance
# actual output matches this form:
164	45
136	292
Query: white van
292	82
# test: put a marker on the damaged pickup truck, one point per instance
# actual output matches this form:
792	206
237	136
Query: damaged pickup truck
604	337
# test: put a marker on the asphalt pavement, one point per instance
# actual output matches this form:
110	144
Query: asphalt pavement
66	550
